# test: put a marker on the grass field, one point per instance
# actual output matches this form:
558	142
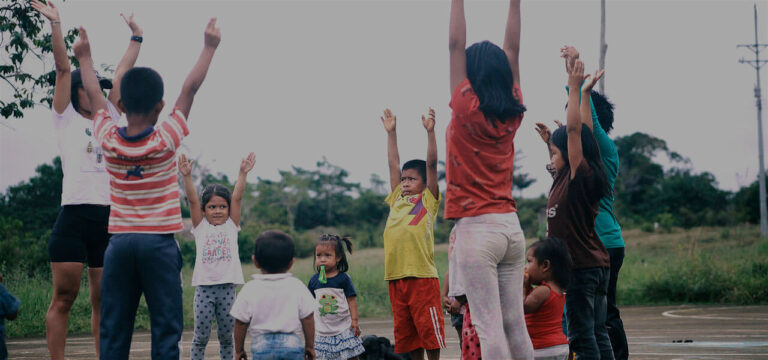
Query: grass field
702	265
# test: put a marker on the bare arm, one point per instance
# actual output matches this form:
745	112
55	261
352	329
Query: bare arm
429	125
535	299
62	91
195	211
353	314
237	196
512	39
308	327
241	330
586	96
393	156
197	75
573	123
82	51
457	43
127	62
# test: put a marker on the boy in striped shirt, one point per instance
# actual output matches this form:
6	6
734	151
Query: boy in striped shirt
142	255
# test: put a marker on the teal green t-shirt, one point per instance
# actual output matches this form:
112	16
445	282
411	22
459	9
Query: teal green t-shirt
606	224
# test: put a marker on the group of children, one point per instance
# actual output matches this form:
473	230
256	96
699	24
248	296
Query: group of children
487	273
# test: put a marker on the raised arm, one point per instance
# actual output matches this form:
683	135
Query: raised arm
246	164
195	210
573	123
62	91
82	51
570	55
512	39
393	156
429	124
586	98
197	75
457	43
128	60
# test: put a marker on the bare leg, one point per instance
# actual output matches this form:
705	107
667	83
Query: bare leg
417	354
66	284
94	282
433	354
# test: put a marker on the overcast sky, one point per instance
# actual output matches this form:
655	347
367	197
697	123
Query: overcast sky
294	81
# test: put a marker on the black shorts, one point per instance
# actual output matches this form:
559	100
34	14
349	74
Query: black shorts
80	235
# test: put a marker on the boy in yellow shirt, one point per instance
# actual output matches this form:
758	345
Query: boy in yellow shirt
409	264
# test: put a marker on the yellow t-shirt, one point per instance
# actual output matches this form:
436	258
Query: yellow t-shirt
409	240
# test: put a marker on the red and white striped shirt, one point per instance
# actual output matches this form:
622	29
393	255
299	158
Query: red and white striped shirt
144	192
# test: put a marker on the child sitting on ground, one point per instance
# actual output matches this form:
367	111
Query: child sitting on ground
548	268
274	307
409	256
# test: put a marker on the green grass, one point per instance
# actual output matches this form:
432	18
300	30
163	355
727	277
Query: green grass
702	265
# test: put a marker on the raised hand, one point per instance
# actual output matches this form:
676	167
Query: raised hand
590	82
82	47
429	120
558	123
570	54
49	11
576	75
135	29
185	166
389	120
544	132
247	163
212	34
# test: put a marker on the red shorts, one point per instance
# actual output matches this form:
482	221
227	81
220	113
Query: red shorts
416	307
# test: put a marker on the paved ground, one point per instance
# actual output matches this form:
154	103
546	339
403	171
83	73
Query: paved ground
654	333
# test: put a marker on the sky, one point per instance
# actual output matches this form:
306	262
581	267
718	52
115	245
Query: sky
294	81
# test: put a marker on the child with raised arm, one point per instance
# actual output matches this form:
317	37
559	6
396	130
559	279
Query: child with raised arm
215	224
80	234
409	264
573	204
606	224
142	255
274	307
488	109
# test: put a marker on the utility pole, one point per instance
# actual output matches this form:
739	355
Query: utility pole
756	63
603	46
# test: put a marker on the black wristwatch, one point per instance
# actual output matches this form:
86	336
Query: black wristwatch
138	39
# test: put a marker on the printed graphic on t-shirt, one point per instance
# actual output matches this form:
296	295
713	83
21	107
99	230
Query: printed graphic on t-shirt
418	210
216	248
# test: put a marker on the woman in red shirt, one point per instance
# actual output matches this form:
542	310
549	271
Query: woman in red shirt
490	245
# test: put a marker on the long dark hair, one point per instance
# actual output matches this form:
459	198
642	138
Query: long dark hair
554	250
591	155
337	242
492	80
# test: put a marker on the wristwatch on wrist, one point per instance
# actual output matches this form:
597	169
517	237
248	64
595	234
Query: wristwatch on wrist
138	39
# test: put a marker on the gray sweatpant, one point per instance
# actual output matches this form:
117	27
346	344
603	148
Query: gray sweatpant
214	301
488	259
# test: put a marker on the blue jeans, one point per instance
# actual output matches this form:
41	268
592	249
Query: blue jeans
587	305
136	264
277	346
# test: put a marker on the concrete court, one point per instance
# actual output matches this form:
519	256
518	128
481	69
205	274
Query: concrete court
712	332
